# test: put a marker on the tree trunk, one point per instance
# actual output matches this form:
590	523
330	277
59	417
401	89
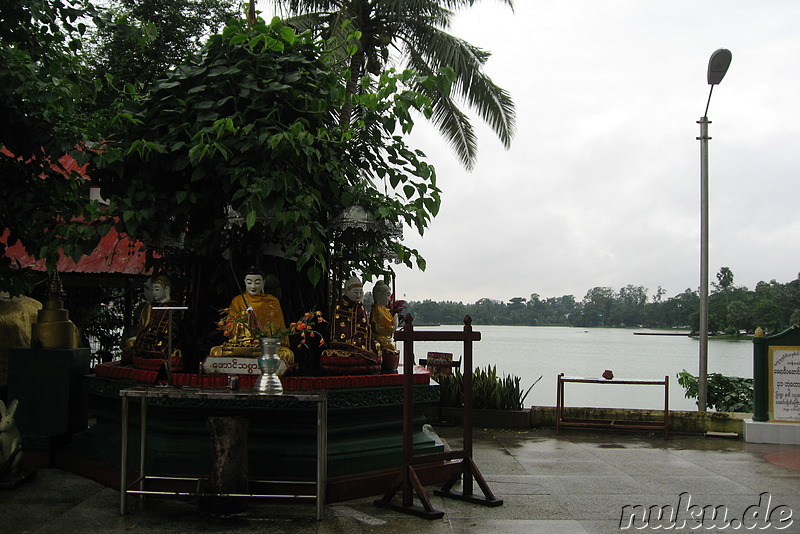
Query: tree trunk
356	68
228	465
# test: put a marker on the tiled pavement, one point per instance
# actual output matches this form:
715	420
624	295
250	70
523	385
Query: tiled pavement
575	483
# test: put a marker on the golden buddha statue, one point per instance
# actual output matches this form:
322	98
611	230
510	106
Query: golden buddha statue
383	321
142	314
266	311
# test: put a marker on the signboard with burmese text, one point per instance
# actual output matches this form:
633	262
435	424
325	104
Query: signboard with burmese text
440	363
784	366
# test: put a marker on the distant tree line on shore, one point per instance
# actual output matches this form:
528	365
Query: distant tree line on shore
732	309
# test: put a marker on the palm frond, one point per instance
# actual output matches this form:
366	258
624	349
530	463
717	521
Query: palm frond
402	12
461	4
417	29
305	21
451	121
492	103
296	7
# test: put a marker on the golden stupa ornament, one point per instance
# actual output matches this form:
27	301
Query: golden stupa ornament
53	329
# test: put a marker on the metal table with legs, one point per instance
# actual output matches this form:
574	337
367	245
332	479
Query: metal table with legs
230	398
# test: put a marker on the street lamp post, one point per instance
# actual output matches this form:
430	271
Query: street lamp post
717	67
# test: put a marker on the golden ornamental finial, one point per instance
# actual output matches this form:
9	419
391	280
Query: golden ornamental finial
56	289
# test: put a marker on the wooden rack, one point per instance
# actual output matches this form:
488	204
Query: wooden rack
408	481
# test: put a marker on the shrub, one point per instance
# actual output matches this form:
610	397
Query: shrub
725	393
488	390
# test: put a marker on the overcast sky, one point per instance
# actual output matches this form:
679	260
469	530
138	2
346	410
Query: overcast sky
602	184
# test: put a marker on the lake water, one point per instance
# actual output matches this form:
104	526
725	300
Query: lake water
529	352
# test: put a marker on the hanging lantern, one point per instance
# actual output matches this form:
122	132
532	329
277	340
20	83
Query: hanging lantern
355	231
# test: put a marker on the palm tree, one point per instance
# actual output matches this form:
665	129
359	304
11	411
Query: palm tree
416	30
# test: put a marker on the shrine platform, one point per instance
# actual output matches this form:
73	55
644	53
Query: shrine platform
365	430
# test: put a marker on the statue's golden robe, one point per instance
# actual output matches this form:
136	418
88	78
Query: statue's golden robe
351	348
267	311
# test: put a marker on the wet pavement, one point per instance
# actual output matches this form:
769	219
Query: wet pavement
580	482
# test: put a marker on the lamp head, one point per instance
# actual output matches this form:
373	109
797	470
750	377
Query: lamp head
718	65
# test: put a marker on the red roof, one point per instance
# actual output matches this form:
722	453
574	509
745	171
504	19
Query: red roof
114	254
67	162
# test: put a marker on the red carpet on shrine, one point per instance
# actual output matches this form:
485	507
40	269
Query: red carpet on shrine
115	370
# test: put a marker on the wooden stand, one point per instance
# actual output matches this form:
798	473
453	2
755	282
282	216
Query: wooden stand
408	480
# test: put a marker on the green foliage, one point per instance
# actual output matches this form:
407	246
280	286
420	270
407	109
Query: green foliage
724	279
247	129
451	389
773	306
44	94
147	38
102	323
489	391
237	145
419	30
725	393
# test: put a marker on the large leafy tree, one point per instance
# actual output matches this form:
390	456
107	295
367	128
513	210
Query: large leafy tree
247	127
239	148
240	145
598	305
417	30
151	37
44	89
56	57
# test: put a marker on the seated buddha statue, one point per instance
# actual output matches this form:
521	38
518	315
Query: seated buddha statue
142	315
264	310
351	347
151	346
384	324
